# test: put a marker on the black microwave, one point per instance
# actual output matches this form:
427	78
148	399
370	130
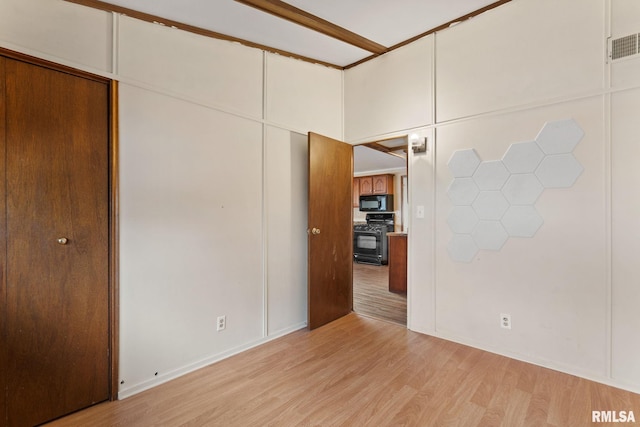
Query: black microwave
376	203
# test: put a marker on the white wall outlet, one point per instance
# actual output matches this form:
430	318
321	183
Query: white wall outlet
221	323
505	321
419	211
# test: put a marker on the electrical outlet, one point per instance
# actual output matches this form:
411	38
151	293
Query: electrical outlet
221	323
505	321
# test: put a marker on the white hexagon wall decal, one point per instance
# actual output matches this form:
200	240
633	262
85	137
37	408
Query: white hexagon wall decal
522	189
490	235
522	221
491	175
559	171
462	248
494	200
462	219
462	191
490	205
463	163
523	157
559	137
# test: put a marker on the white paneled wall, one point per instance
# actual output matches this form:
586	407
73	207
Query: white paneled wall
522	52
625	72
286	179
554	283
214	72
391	93
190	234
626	236
303	96
58	31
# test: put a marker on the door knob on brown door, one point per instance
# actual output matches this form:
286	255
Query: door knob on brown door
63	240
315	231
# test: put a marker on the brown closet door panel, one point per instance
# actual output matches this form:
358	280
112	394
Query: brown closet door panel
57	294
3	256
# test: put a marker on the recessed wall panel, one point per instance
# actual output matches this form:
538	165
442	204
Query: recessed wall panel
542	264
390	93
214	72
59	31
286	179
625	236
519	53
302	96
191	246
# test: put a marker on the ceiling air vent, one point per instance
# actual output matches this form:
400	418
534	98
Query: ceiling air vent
624	46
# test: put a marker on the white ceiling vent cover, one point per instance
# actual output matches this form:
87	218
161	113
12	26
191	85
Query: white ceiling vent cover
624	46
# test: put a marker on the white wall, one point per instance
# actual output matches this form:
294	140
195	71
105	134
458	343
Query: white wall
58	31
571	289
286	178
303	96
208	71
626	236
381	94
213	180
554	283
522	52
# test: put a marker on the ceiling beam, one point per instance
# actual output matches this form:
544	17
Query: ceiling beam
298	16
387	150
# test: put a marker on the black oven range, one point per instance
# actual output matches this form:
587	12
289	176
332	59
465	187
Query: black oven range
370	239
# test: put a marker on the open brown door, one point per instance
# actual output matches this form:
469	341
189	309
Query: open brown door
330	229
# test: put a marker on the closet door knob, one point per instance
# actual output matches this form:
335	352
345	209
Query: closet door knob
63	240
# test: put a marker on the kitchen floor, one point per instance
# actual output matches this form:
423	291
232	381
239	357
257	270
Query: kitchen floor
371	296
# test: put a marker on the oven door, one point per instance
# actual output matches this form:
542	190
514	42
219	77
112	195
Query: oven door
367	247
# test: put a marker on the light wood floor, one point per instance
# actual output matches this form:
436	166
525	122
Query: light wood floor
371	295
358	371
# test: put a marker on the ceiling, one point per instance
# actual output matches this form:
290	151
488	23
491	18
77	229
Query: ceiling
380	156
378	25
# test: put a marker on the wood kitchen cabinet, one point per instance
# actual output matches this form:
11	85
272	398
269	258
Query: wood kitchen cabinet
356	192
397	262
366	185
382	184
374	184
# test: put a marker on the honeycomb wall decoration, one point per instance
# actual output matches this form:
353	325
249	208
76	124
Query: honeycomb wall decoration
495	200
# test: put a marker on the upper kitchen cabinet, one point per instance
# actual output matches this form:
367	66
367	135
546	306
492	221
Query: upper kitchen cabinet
366	185
390	93
382	184
356	192
372	184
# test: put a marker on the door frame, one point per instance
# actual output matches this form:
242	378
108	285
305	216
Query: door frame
375	144
112	161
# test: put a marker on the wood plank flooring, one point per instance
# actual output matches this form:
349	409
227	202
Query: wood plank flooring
359	371
371	296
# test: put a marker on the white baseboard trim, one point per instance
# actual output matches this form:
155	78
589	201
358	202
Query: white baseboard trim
129	391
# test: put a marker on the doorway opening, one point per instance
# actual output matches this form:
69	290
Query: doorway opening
379	264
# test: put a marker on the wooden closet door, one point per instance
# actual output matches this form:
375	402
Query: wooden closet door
57	230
